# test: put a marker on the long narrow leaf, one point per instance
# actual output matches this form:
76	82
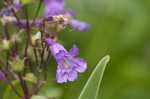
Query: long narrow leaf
91	88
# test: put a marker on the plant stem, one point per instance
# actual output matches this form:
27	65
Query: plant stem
37	11
9	69
11	85
24	86
10	3
46	63
6	31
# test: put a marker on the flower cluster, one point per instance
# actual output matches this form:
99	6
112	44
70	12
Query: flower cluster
27	49
57	7
68	65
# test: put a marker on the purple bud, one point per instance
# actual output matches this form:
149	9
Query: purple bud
70	12
23	22
78	25
6	12
54	7
38	22
50	18
17	4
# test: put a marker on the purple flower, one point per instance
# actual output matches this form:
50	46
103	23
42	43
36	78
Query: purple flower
6	12
57	7
17	4
68	64
54	7
23	22
82	26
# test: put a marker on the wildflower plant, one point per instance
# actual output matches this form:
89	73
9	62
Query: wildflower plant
26	51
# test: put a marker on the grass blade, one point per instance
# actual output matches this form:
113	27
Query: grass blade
91	88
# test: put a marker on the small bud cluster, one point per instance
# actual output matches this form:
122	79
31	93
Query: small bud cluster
27	44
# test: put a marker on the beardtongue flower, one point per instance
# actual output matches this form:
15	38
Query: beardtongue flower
68	64
57	7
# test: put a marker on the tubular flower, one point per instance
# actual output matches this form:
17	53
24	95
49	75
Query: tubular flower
68	64
57	7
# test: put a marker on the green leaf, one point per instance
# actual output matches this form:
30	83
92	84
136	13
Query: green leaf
38	97
26	1
91	88
8	93
30	77
51	91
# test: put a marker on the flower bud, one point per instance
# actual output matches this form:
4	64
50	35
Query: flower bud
36	37
17	3
17	64
30	77
6	12
5	44
16	37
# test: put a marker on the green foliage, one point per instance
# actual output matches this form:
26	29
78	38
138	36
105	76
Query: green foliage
51	91
17	64
38	97
119	28
30	77
5	44
91	88
9	94
26	1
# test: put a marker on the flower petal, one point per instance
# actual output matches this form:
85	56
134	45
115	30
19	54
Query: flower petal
38	22
54	7
72	76
81	64
6	12
17	3
61	76
81	26
60	55
49	41
56	48
70	12
74	51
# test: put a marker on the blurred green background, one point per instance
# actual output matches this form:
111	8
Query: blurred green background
121	29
